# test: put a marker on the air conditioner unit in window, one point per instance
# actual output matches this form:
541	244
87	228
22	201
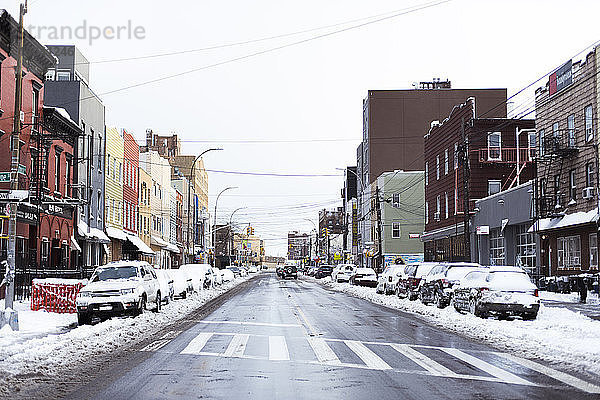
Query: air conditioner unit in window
436	216
588	192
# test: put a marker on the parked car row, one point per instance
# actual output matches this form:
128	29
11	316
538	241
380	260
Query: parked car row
132	287
500	291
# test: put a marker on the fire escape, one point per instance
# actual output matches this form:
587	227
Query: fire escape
558	147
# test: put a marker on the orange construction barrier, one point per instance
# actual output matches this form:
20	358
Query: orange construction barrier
55	295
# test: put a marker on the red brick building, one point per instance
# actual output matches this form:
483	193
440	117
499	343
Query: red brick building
491	149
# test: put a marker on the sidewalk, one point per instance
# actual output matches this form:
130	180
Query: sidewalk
571	302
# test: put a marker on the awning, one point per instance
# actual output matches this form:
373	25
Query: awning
94	234
171	247
441	233
116	234
74	244
566	221
158	241
141	246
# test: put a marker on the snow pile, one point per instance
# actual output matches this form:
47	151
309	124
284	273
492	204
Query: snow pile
47	341
568	297
558	335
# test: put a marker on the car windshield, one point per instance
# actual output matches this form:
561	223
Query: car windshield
508	276
108	273
457	273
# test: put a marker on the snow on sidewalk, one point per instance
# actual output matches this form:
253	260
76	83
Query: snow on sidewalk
558	335
49	341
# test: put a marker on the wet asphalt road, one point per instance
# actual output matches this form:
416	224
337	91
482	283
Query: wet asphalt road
296	340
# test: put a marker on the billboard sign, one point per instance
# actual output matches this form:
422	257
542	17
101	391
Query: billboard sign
561	78
354	225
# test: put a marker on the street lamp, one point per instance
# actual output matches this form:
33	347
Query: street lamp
215	219
231	232
192	178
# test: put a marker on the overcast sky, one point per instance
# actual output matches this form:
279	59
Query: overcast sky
310	91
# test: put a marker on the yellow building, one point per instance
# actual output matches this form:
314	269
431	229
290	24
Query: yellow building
113	192
145	211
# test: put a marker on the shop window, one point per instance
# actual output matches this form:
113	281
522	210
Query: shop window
525	248
594	250
569	252
396	230
496	247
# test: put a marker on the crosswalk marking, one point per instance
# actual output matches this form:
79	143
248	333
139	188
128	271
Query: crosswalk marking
278	350
370	359
251	323
237	346
323	352
423	361
558	375
499	373
196	345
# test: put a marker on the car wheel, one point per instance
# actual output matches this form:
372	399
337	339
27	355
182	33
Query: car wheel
142	306
184	295
158	302
413	297
439	300
473	309
529	316
397	291
423	297
457	308
84	319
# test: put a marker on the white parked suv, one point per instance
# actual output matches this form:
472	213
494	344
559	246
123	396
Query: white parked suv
118	288
387	282
342	273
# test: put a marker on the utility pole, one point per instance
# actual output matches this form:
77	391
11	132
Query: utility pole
13	319
464	149
378	210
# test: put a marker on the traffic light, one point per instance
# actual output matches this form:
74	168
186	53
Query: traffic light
251	231
248	231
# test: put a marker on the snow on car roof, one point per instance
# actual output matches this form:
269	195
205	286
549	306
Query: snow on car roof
506	268
122	263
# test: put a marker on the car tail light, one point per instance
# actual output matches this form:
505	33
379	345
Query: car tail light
414	282
484	289
536	293
445	283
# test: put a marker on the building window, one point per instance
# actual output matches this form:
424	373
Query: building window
571	128
555	132
455	155
446	162
99	206
494	146
594	250
543	185
396	230
525	256
569	252
426	173
542	133
531	141
496	247
589	130
56	171
494	186
396	200
35	109
63	76
426	212
572	184
68	178
446	196
437	167
589	175
45	251
437	207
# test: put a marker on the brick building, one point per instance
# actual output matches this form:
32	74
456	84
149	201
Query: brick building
490	146
567	182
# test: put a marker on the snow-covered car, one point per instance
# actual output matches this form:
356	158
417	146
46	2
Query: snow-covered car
182	283
364	277
166	284
386	283
235	270
289	271
202	275
118	288
410	277
342	272
227	275
253	269
438	285
501	291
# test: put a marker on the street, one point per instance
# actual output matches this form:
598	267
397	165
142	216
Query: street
295	339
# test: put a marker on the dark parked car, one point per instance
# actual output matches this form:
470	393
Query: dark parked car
438	285
323	271
409	279
289	271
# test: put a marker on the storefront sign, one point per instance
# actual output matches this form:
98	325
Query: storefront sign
414	235
59	210
483	230
4	177
561	78
27	214
14	195
354	225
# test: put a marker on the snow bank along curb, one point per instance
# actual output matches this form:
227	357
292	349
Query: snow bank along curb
20	354
558	335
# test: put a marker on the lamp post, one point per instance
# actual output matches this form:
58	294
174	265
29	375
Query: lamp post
192	178
231	232
215	220
317	238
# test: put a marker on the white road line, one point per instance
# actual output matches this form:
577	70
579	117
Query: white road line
312	330
323	351
170	335
370	359
499	373
558	375
197	344
251	323
157	344
237	346
278	350
423	361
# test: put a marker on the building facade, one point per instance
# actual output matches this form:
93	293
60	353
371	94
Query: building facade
113	184
567	170
299	246
469	158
